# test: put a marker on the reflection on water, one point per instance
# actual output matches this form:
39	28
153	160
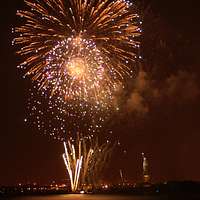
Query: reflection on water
86	197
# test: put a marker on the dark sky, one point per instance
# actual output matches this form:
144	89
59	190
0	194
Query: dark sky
161	116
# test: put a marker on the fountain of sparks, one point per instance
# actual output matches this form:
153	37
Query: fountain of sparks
73	164
85	159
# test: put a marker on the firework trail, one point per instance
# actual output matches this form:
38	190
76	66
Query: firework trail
73	164
78	49
85	160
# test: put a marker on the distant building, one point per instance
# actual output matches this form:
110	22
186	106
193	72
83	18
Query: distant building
145	165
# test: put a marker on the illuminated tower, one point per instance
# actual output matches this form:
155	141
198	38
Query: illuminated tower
145	164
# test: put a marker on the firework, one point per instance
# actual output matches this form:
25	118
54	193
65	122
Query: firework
85	159
61	120
99	161
78	53
73	164
78	49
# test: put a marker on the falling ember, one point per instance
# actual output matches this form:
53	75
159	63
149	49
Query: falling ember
61	120
78	49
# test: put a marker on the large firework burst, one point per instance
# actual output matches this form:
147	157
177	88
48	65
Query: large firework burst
78	49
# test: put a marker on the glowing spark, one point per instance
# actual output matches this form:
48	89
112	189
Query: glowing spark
62	120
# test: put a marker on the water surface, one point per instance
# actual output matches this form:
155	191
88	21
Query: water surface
85	197
102	197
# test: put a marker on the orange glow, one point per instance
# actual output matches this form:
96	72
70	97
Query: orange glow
77	68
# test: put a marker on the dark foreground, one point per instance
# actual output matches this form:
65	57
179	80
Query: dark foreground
101	197
173	190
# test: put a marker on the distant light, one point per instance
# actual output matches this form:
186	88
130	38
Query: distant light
82	192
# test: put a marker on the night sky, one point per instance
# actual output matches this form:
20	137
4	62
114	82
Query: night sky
159	116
